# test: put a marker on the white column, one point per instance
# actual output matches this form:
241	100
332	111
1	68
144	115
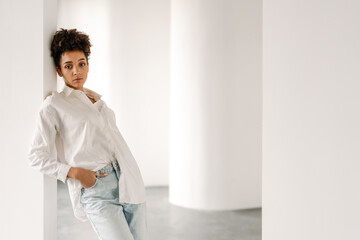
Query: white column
28	198
311	120
215	105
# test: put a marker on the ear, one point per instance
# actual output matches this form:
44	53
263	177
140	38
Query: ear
59	72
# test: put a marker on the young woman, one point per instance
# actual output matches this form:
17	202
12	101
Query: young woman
76	140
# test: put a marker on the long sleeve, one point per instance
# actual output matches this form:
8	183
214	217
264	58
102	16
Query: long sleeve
42	154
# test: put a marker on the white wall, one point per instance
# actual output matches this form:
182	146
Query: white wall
129	66
311	120
27	198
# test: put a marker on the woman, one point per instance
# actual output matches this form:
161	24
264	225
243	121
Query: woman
76	140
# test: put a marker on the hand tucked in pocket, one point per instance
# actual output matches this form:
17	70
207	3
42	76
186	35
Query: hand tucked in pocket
87	178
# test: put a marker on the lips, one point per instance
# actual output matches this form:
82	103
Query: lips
77	79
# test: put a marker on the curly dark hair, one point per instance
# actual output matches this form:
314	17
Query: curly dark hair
69	40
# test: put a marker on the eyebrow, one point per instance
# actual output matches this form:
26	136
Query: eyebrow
71	61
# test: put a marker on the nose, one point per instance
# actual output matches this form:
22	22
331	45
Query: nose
75	71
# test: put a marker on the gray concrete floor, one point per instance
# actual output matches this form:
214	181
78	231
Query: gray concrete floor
169	222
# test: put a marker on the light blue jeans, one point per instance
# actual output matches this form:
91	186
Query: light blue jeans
111	219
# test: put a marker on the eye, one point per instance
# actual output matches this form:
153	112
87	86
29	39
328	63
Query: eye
67	66
82	64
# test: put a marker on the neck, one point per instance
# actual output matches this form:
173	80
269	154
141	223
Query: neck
81	89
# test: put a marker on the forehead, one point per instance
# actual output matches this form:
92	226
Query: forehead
72	56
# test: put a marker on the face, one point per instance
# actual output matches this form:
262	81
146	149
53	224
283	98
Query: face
74	69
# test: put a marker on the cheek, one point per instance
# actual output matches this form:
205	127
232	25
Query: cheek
67	76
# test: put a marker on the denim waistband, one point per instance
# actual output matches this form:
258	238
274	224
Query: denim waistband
108	168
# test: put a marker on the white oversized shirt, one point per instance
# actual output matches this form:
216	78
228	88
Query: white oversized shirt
71	131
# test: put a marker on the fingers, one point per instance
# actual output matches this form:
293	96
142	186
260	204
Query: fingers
101	174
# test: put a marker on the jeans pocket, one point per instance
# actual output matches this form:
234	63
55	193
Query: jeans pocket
93	186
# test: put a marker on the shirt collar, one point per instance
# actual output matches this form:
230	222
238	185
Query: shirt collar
68	90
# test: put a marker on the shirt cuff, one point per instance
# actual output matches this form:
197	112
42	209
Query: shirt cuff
63	172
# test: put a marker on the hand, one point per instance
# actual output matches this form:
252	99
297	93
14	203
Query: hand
87	178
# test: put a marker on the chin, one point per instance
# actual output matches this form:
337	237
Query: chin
78	83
